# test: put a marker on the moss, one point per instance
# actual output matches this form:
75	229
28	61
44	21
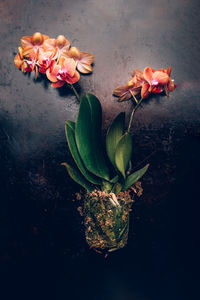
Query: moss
107	219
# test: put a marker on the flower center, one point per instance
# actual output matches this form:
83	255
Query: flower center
154	82
62	75
46	62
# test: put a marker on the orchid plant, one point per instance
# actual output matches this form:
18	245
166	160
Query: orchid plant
106	173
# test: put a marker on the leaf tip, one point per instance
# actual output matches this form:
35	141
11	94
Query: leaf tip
64	164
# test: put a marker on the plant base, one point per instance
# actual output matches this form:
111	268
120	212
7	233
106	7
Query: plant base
106	219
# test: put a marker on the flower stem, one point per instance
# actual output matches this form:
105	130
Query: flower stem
75	92
136	100
132	114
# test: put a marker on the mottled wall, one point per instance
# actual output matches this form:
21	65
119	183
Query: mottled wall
41	233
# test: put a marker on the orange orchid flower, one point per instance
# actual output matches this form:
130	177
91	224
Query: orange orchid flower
132	88
63	72
46	59
30	64
83	59
32	43
157	81
60	43
26	64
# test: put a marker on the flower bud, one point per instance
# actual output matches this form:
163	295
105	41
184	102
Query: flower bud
37	38
75	52
60	41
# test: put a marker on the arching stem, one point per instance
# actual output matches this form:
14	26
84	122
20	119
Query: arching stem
75	92
133	112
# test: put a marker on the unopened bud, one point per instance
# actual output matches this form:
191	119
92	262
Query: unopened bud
60	41
37	38
75	52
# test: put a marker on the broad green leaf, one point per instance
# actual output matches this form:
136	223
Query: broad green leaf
123	153
70	135
134	177
113	136
88	136
75	174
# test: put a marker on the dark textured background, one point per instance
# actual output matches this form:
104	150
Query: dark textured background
43	253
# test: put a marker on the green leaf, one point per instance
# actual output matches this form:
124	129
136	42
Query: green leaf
88	136
131	179
123	153
75	174
114	179
117	188
113	136
70	135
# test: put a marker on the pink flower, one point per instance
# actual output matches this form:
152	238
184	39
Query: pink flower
132	88
63	72
27	64
157	81
46	59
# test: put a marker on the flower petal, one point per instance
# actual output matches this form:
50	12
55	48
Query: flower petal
166	90
125	97
45	37
169	69
58	84
36	72
73	79
64	50
62	61
44	55
171	86
27	50
52	76
66	53
137	72
120	90
157	89
26	41
84	68
69	65
18	61
145	90
148	75
49	44
160	77
87	58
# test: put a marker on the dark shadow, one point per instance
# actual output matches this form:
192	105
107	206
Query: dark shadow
65	90
41	78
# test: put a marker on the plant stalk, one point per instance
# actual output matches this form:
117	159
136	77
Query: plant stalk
136	100
75	92
132	114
